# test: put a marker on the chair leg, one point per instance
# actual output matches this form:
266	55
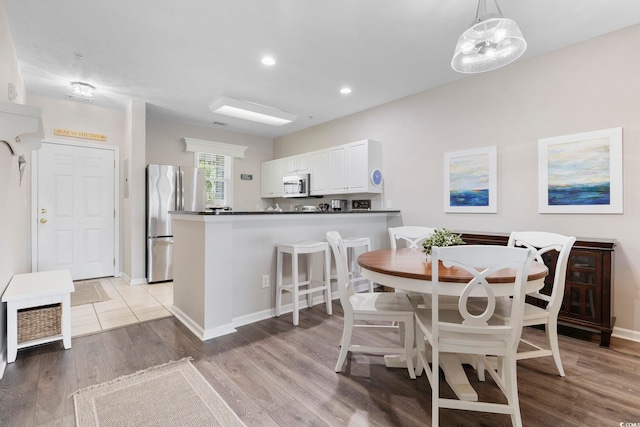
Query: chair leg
309	258
551	328
408	346
327	281
346	342
511	384
278	283
435	388
296	288
420	347
480	368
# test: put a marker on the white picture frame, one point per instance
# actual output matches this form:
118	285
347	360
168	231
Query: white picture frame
470	181
581	173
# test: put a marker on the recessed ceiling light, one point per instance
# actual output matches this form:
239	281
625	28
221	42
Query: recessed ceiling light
268	60
345	90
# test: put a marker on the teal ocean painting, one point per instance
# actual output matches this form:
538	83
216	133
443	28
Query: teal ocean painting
469	180
579	173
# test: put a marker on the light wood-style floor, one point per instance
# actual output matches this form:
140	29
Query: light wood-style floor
274	374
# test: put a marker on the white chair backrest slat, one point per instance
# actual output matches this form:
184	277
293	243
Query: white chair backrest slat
411	234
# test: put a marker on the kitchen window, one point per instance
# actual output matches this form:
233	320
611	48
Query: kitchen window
218	182
216	158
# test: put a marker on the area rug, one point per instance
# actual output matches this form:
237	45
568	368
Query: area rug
170	395
88	293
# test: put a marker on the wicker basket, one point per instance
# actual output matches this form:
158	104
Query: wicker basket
39	322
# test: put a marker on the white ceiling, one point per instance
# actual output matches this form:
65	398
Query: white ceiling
179	56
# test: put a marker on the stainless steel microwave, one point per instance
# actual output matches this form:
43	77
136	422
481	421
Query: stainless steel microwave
296	186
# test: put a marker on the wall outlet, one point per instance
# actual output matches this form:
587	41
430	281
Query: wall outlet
265	280
388	204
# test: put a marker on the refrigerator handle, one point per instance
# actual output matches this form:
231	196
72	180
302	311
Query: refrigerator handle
179	195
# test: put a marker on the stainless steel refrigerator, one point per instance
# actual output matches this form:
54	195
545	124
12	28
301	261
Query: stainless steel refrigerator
169	188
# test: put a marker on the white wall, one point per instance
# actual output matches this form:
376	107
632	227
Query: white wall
134	267
165	146
14	210
589	86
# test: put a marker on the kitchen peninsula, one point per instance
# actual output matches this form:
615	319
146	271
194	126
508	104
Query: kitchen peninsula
219	259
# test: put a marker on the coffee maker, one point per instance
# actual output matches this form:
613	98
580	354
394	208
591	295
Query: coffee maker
338	205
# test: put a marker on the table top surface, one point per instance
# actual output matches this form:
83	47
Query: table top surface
45	283
413	264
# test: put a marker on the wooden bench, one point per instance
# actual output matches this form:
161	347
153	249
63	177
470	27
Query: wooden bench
32	290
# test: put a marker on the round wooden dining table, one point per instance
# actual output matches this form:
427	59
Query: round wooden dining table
409	270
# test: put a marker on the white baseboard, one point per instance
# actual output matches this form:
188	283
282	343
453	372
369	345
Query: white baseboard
198	331
134	282
626	334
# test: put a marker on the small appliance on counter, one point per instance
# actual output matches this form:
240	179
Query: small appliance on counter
306	208
338	205
361	205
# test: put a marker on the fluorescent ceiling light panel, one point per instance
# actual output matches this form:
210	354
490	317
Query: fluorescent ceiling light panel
250	111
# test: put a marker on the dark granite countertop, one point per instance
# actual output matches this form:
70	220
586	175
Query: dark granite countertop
222	212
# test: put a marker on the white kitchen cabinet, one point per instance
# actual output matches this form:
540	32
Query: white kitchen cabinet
271	178
296	165
350	167
319	170
338	169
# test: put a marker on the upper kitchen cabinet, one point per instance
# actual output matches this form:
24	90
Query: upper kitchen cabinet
319	169
272	174
351	165
296	165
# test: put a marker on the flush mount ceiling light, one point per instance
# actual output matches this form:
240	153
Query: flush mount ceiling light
251	111
83	89
268	60
491	42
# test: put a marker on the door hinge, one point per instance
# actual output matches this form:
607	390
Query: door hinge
114	262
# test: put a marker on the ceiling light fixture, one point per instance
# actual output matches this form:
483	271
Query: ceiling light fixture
345	90
491	42
83	89
251	111
269	61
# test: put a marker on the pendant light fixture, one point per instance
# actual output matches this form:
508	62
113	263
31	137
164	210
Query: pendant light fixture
492	41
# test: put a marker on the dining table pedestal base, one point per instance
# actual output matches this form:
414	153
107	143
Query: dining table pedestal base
454	373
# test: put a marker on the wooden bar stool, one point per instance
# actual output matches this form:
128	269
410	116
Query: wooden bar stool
355	245
309	286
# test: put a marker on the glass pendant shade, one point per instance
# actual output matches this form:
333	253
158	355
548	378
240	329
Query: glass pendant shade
488	44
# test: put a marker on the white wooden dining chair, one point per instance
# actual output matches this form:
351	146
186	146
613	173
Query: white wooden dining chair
542	242
412	235
459	331
375	306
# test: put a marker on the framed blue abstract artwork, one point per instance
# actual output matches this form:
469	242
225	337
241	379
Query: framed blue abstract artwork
470	181
581	173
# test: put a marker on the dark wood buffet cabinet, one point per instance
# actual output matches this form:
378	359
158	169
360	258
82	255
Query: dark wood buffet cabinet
588	291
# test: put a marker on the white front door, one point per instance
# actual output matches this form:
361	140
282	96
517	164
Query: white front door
76	210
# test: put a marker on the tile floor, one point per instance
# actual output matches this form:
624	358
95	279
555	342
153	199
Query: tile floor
128	304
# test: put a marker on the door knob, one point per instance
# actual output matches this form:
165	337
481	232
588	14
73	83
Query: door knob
43	220
43	211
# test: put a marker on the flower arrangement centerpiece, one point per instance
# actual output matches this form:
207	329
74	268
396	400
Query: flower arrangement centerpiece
441	237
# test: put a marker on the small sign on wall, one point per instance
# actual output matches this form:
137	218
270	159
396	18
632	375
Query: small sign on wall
79	134
246	176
